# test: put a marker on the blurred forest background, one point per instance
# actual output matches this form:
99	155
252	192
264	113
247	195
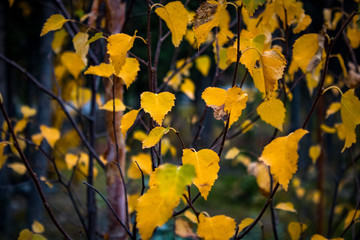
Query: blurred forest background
235	193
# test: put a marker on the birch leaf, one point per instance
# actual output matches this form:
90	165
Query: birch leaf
351	215
350	116
157	105
207	17
203	64
286	206
272	111
176	17
37	227
188	87
183	229
118	46
218	227
295	229
54	22
252	5
314	152
52	135
282	157
128	120
27	111
269	70
206	163
244	223
129	71
102	70
333	108
81	48
155	207
214	96
19	168
304	49
109	105
235	102
94	38
72	63
145	164
154	136
319	237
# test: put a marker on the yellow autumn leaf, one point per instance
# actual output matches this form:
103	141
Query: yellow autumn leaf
333	108
188	87
327	129
2	156
37	227
207	17
183	229
145	164
353	34
118	46
206	163
218	227
139	135
11	2
154	136
286	206
203	64
248	56
319	237
157	105
282	157
109	105
81	48
350	116
314	152
191	216
58	40
351	215
19	168
50	134
20	125
72	63
244	223
295	229
235	102
132	201
310	42
261	172
176	17
155	207
71	160
268	70
54	22
250	5
232	153
129	71
102	70
37	138
214	96
128	120
27	111
272	111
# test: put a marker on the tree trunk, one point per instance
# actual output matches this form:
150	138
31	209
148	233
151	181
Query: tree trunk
116	191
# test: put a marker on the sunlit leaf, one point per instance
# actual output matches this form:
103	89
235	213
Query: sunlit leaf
286	206
27	111
203	64
129	71
109	105
19	168
102	70
188	87
73	63
59	40
176	17
52	135
154	136
206	163
54	22
244	223
272	111
157	105
94	38
351	215
183	229
218	227
305	59
333	108
319	237
350	116
251	5
145	164
37	227
80	45
118	46
295	229
314	152
128	120
282	157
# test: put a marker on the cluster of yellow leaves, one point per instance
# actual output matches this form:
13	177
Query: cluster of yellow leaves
81	161
167	184
232	102
37	229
